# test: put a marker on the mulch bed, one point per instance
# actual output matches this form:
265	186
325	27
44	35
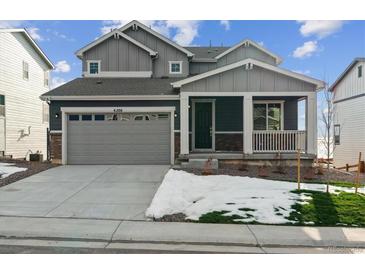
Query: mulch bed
32	168
283	173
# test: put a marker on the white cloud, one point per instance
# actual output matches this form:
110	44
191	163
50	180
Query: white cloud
10	24
182	32
320	28
62	66
57	81
34	33
307	71
226	24
306	50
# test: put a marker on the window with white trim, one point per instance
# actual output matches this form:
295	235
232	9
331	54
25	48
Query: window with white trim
336	134
175	67
46	78
25	70
2	105
93	67
45	113
359	71
267	116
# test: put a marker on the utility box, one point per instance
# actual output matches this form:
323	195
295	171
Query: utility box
36	157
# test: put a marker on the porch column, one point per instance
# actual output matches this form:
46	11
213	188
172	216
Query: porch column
312	123
247	124
184	124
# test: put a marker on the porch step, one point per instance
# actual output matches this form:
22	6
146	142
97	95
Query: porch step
200	164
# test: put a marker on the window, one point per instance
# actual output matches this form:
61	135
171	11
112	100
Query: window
86	117
94	67
2	105
359	71
141	117
99	117
267	116
175	67
73	117
46	78
25	70
336	134
45	113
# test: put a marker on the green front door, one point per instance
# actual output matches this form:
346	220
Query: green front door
203	125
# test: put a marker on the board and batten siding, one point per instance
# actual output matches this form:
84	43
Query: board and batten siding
244	52
165	51
241	80
23	108
118	55
350	115
351	85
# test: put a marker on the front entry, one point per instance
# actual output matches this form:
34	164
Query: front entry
203	126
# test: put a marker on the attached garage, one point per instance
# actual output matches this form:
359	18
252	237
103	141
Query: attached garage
120	137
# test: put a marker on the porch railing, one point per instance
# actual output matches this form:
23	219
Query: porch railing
278	140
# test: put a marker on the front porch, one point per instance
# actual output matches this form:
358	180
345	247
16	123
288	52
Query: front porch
248	126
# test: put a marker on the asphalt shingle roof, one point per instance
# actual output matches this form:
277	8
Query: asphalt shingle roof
206	52
115	86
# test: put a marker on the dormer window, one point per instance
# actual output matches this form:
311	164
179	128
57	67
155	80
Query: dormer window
93	67
175	67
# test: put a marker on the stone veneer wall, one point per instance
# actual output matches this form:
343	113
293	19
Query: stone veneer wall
229	142
56	147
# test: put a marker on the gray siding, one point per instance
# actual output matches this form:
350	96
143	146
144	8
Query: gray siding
241	80
242	53
165	51
118	55
201	67
55	108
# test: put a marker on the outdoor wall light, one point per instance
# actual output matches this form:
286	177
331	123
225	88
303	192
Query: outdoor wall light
175	115
57	115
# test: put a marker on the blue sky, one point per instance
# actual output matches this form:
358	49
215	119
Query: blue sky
320	49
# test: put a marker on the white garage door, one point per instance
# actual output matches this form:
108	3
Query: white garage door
128	138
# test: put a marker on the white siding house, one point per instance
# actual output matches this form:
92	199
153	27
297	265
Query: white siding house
349	114
24	76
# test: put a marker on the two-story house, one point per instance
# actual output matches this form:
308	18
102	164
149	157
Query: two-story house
24	76
349	114
143	99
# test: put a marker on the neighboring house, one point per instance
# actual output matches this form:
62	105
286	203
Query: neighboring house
144	99
24	76
349	114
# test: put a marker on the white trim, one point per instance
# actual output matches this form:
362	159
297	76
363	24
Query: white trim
88	67
229	132
175	62
111	98
80	52
151	31
319	84
247	124
122	74
55	131
194	101
184	125
249	42
33	43
256	93
267	102
67	110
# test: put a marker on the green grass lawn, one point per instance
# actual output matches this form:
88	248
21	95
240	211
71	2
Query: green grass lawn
324	209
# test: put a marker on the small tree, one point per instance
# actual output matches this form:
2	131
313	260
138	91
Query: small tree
327	117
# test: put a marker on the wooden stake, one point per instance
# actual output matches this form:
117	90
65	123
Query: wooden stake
298	168
357	184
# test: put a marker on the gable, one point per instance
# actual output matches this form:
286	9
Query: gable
242	52
118	55
253	80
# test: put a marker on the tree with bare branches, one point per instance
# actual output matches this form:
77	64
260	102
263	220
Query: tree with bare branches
327	118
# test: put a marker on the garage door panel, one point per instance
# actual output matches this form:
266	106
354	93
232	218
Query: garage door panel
119	142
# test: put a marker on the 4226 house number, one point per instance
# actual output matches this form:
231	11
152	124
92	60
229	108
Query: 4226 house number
118	110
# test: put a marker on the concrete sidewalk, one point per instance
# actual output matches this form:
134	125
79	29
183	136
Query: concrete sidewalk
113	232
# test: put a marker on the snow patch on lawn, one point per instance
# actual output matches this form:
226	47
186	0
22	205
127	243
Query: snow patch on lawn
6	169
253	199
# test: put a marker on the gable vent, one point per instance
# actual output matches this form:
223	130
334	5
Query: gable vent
134	27
249	66
116	36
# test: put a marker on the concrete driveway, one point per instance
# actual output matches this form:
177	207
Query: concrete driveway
98	192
